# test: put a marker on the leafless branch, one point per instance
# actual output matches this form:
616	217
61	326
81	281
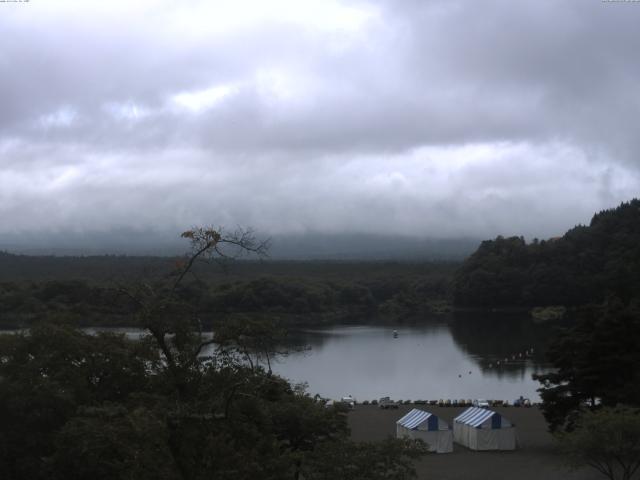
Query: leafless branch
209	243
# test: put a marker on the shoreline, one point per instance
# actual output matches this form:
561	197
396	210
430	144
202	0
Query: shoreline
535	458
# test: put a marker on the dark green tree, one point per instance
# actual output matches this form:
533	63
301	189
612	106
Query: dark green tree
584	266
607	440
597	363
51	372
391	459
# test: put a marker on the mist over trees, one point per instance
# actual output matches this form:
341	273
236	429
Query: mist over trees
312	246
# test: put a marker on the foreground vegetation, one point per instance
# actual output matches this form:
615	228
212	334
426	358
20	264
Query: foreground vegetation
597	364
77	406
607	440
592	398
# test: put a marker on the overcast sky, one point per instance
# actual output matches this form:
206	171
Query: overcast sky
417	117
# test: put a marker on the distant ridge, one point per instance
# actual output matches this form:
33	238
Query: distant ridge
369	247
309	246
67	264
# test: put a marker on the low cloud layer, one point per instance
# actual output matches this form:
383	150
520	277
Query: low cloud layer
424	118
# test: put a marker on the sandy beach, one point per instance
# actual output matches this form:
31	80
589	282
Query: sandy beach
536	458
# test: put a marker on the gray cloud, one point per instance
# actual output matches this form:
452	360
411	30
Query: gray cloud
422	118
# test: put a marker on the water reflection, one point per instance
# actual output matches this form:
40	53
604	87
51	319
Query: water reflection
461	356
455	357
502	344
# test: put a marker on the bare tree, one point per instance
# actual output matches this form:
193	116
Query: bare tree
172	323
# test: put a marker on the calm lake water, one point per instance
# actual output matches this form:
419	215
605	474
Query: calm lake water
458	356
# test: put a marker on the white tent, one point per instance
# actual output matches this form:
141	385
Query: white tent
418	424
482	429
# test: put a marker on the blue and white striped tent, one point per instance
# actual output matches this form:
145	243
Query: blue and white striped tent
483	429
435	432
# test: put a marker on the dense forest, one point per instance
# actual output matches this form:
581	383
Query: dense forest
87	291
584	266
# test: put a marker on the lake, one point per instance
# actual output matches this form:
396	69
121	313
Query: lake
457	357
461	356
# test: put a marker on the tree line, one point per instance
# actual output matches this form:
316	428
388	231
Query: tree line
297	300
582	267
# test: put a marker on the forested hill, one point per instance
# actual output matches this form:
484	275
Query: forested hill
87	290
583	266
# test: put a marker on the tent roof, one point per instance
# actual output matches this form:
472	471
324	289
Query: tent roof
414	418
474	416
